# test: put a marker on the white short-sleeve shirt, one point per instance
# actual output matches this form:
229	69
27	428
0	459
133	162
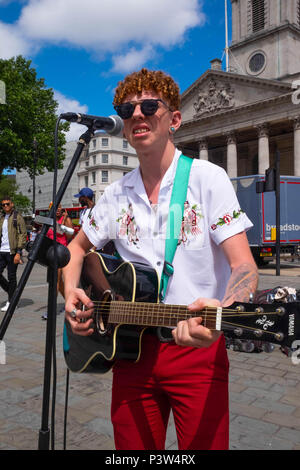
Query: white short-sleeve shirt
212	214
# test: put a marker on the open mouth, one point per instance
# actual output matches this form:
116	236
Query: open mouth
140	130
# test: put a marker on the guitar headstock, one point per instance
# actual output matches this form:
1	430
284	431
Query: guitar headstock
277	323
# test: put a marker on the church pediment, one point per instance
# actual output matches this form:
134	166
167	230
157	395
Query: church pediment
214	96
218	91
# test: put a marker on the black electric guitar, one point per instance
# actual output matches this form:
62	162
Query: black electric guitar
126	302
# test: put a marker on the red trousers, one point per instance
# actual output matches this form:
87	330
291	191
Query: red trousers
191	382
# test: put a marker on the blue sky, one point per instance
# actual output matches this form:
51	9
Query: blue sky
83	48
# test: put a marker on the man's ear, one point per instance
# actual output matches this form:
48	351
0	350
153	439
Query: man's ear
176	120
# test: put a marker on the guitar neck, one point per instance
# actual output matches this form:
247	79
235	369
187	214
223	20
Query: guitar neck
149	314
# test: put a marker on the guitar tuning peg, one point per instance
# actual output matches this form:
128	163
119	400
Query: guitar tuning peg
268	347
258	333
240	308
259	310
238	331
248	346
279	336
280	311
251	298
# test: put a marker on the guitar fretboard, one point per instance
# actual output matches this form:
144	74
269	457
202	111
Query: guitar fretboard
150	314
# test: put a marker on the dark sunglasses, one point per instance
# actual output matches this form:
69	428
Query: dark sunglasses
148	107
5	204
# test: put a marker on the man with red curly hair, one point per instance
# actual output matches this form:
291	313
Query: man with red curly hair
212	267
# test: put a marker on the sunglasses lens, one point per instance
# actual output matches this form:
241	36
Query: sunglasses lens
149	107
125	110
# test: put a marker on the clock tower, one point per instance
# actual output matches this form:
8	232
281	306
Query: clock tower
266	39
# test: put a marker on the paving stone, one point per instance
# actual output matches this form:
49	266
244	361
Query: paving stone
283	420
262	393
289	434
272	405
246	410
254	425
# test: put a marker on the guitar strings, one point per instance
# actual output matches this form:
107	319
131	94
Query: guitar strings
249	328
143	309
158	306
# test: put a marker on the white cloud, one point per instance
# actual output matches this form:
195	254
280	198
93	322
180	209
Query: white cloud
12	42
111	23
129	30
132	60
65	105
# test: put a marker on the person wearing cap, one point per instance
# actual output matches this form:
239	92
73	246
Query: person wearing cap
86	200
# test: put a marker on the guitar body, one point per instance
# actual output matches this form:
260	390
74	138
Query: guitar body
131	282
126	303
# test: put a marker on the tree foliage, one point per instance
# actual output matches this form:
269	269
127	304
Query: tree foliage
29	115
9	187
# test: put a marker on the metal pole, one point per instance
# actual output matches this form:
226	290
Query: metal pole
226	37
34	171
277	194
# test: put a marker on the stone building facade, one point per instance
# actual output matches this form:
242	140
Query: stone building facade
239	117
106	159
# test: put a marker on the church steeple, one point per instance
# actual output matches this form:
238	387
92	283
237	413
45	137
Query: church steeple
266	38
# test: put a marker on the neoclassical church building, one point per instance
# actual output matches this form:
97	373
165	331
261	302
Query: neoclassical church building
237	118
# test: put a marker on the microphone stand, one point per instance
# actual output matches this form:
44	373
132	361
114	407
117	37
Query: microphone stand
43	252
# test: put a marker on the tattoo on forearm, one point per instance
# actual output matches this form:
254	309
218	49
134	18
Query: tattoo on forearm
242	283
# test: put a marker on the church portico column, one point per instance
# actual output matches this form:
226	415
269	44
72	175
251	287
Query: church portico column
297	146
203	149
231	155
263	148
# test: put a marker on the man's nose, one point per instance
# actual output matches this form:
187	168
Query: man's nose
137	111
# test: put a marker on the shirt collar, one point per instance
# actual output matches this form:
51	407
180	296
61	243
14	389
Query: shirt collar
134	178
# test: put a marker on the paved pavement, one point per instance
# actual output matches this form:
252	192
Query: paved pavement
264	388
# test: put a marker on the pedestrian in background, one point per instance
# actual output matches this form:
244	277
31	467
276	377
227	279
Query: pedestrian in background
64	233
86	200
12	241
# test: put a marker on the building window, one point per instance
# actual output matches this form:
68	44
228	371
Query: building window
93	177
125	160
86	181
94	159
258	15
94	143
104	158
104	141
257	62
125	144
87	162
104	175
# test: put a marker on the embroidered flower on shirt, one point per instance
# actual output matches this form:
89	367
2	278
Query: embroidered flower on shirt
227	219
92	221
128	225
190	223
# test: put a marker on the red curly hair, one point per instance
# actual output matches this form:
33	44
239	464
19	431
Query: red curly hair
145	79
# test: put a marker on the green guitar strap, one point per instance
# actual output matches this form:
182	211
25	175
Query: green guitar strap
178	199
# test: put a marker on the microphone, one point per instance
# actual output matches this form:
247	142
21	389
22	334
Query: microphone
112	124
